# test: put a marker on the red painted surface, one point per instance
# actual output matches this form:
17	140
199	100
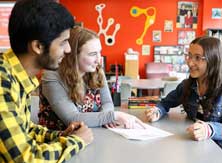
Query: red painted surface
131	27
208	22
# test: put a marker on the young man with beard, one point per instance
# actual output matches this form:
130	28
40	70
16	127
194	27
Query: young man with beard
39	32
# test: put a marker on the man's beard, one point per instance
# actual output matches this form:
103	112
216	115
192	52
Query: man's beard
45	61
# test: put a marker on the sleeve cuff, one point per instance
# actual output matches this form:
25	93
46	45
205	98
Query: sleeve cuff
210	131
81	142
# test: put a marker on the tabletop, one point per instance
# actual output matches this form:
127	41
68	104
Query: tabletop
109	147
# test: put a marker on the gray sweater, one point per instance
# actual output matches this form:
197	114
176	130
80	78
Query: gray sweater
56	93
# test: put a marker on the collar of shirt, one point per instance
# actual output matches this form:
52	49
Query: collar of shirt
194	86
29	83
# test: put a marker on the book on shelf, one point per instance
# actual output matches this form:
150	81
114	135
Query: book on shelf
142	102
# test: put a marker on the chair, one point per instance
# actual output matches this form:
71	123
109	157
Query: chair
156	71
125	90
120	78
169	86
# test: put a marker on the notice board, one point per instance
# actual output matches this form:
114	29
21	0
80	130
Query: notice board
5	11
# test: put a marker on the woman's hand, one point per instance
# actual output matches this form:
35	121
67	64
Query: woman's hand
127	120
199	130
152	114
110	125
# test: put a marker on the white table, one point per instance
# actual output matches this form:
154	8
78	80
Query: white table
109	147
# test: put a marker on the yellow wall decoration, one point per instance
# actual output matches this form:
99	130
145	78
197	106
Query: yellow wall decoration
150	19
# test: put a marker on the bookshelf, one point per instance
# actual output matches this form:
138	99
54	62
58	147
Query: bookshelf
173	55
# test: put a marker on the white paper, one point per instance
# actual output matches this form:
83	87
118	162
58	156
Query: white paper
138	133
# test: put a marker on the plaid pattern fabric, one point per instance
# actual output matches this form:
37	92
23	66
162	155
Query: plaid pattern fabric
20	139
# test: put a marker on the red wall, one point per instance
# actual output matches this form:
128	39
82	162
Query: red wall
131	27
208	22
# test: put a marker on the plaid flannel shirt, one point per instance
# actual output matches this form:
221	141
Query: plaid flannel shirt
20	139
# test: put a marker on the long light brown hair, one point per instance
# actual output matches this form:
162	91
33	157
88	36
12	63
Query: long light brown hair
69	68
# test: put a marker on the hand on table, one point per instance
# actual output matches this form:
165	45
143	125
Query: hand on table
199	130
110	125
129	121
152	114
79	129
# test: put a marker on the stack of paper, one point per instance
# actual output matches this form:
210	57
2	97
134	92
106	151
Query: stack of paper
138	133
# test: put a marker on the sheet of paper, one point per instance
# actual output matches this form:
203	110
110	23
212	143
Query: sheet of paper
138	133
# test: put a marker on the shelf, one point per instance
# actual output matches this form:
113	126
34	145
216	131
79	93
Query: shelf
214	33
173	55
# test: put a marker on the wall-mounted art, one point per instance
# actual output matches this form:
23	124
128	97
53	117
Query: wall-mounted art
168	26
5	10
109	39
157	36
187	14
185	37
149	13
216	13
145	49
173	55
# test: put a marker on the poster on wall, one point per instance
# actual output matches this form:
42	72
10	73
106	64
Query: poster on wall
172	55
5	10
185	37
149	13
168	26
156	36
145	49
187	13
216	13
109	38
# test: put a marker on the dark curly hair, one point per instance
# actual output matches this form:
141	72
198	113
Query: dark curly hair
42	20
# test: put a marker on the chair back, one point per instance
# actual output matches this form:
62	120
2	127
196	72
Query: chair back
125	91
120	78
157	70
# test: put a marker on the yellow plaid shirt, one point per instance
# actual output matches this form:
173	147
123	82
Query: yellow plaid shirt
20	139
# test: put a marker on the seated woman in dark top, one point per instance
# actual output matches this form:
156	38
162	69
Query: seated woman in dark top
201	94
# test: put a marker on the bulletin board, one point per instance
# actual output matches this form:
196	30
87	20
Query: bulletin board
173	55
185	37
5	11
